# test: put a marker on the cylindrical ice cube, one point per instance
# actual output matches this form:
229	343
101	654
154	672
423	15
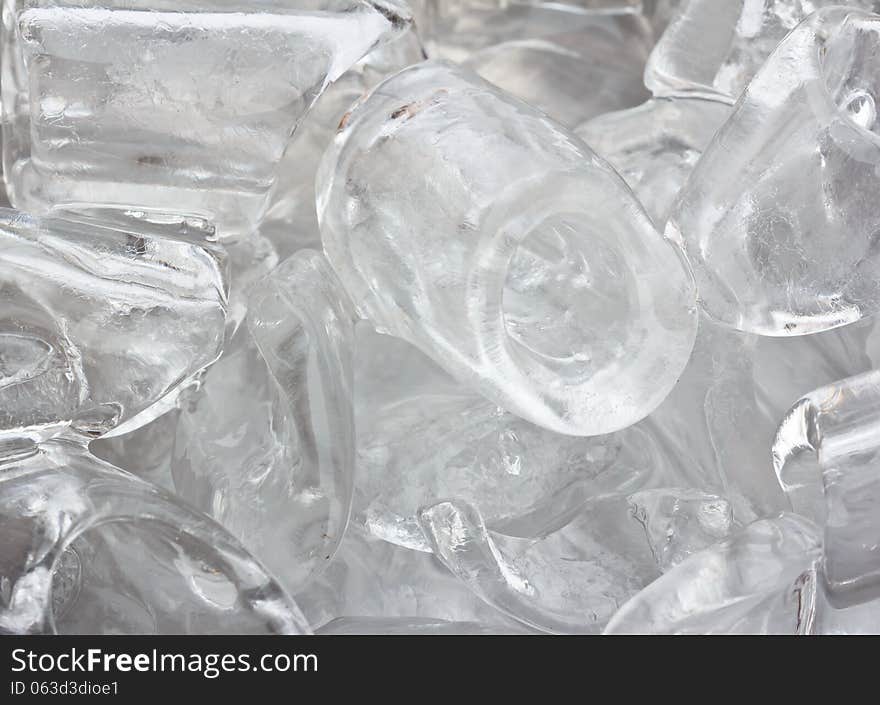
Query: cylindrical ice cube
463	220
826	458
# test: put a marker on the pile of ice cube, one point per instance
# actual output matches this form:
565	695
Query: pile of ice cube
468	316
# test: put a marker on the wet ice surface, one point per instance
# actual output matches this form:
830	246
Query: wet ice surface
568	330
434	439
826	458
714	49
776	217
100	113
91	549
750	583
99	322
266	445
553	312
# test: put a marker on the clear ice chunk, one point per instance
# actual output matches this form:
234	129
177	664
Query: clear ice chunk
97	110
655	146
778	218
827	458
266	447
88	548
749	583
679	522
569	582
101	325
422	438
713	49
469	224
373	579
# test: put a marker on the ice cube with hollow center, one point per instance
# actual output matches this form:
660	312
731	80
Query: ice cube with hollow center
471	225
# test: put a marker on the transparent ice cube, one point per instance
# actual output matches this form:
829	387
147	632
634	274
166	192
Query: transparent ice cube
469	224
266	446
570	581
713	49
91	549
172	106
101	325
827	456
749	583
779	218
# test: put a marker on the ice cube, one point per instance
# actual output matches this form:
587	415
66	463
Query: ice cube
713	49
568	582
267	445
826	458
681	521
91	549
469	224
101	325
779	218
748	584
422	437
373	579
97	108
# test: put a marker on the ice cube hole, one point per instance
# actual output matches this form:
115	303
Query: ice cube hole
566	295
